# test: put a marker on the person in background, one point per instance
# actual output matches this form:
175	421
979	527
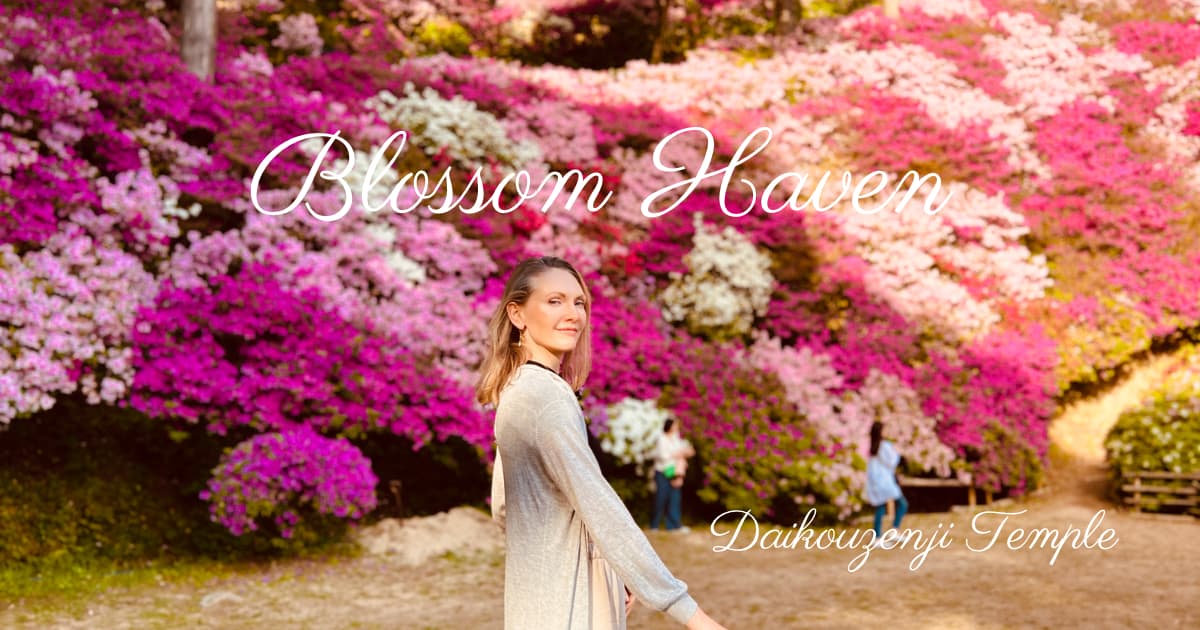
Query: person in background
574	557
670	465
881	482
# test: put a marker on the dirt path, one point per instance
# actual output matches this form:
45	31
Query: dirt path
1150	578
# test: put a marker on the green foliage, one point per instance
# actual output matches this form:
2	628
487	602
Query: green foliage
1090	351
87	489
1161	435
91	482
82	485
440	34
69	584
1008	460
436	478
834	8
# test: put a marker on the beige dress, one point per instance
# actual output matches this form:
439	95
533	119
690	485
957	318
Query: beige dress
608	594
607	589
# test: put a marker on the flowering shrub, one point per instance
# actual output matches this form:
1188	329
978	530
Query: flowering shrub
1086	145
1002	380
267	358
1163	433
727	285
1006	461
633	429
1162	42
457	126
633	353
299	32
884	398
135	271
843	417
278	479
65	315
757	452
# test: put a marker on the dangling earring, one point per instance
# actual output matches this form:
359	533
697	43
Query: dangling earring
521	339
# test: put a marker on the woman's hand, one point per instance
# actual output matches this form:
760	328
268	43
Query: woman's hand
629	601
701	621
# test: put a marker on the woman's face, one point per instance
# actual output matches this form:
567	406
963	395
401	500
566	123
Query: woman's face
554	316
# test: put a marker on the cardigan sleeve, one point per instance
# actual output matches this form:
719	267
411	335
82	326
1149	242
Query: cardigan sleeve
573	468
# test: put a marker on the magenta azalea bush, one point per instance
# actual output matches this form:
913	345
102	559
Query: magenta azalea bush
246	352
274	478
134	269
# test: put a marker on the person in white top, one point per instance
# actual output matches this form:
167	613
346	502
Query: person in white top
670	465
881	481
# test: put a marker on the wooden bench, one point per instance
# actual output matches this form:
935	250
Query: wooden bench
923	482
1182	489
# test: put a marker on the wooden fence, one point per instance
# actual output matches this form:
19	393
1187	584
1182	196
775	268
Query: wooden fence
1148	489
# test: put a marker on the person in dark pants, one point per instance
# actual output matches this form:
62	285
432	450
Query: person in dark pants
670	465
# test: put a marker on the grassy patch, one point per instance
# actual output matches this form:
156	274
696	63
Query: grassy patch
71	585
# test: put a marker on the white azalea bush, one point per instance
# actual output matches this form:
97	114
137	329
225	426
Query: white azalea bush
728	283
467	133
633	429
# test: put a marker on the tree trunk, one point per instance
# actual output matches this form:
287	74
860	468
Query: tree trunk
785	15
200	37
660	35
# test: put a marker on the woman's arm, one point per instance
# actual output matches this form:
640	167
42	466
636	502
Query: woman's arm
572	467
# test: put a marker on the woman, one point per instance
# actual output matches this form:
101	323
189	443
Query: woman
670	466
881	482
575	557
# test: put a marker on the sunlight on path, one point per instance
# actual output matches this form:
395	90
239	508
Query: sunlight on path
1080	430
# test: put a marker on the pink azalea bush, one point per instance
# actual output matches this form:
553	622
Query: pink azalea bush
67	309
245	351
277	479
756	450
632	351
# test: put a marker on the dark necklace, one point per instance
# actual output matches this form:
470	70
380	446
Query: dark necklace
544	367
578	394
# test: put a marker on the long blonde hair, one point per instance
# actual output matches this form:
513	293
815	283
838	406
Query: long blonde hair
503	356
